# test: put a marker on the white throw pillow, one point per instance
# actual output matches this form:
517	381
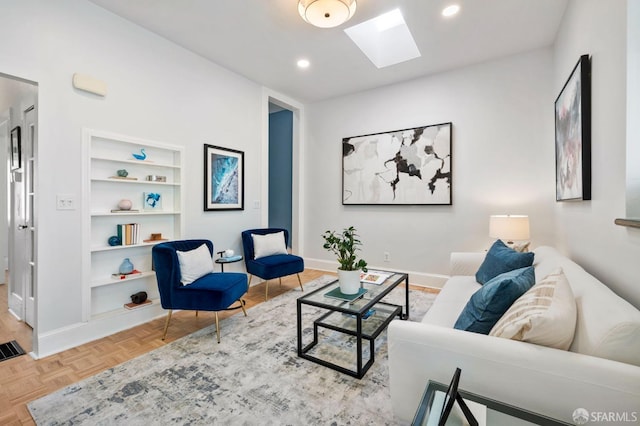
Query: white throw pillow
544	315
194	264
268	245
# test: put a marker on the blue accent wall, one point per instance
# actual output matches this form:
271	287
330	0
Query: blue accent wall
280	169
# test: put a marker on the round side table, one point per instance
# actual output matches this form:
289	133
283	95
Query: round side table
224	260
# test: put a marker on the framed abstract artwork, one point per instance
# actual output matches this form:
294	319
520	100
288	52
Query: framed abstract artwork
223	178
16	149
152	201
402	167
573	135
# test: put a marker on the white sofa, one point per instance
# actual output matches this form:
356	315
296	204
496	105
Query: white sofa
600	372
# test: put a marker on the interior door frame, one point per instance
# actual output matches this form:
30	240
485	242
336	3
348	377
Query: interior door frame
24	105
297	196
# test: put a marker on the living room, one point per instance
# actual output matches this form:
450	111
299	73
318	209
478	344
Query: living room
503	146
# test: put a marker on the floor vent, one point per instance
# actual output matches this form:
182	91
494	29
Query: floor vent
10	350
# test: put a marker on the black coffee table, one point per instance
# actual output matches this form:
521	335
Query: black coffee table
348	317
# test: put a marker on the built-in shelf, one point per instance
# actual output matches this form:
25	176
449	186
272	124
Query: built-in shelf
632	223
122	311
137	181
122	247
104	155
110	280
137	162
138	213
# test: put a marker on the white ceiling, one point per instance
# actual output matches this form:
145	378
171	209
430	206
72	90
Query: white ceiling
263	39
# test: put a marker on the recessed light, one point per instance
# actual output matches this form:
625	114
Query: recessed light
450	10
303	63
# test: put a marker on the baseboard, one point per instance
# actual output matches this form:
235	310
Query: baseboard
61	339
415	278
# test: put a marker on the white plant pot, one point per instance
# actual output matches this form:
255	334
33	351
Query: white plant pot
349	281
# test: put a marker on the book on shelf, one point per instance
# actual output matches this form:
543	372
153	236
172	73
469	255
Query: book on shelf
123	178
132	305
337	294
134	273
129	233
124	211
229	259
366	315
374	277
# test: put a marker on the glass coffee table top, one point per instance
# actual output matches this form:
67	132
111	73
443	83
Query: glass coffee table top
374	293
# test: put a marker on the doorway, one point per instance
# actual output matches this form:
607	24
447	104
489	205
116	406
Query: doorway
280	168
18	167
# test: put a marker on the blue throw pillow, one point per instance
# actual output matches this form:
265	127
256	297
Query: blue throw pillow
491	301
501	259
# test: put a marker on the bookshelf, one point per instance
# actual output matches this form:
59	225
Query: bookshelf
104	154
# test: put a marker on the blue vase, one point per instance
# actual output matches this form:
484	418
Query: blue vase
126	267
115	241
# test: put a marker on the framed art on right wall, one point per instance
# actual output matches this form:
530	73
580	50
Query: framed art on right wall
573	135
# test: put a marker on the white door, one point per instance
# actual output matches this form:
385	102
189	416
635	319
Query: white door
23	140
30	139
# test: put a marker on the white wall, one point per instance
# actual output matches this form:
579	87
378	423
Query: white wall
586	229
503	162
156	91
633	110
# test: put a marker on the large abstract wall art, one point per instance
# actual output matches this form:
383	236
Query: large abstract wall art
573	135
224	178
403	167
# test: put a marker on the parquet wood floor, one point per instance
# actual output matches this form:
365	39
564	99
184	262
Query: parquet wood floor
24	379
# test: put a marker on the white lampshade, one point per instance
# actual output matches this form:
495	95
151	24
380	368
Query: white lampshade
326	13
509	228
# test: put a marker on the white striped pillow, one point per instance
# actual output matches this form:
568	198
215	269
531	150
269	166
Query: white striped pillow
544	315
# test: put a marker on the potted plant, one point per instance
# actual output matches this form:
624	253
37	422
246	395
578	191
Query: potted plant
345	245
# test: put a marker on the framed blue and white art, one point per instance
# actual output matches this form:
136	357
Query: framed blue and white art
152	200
223	178
401	167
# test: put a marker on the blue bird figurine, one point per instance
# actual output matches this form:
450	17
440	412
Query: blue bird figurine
140	156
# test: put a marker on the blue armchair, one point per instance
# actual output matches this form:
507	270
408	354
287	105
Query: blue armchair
272	266
214	291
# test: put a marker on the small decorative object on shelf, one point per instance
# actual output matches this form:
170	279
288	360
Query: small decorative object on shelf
152	200
154	238
141	156
124	211
122	173
125	204
137	305
139	297
126	267
114	240
156	178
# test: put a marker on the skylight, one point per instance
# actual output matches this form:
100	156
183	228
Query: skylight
385	40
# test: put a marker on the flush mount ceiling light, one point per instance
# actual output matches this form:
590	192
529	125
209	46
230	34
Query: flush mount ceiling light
326	13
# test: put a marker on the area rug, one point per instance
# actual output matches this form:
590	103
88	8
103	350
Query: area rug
253	377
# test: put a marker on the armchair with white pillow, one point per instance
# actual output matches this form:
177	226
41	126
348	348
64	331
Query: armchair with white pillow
186	280
266	255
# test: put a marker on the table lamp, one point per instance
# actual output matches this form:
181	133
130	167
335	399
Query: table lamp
509	228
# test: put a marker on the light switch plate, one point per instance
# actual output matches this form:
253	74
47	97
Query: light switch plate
65	202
